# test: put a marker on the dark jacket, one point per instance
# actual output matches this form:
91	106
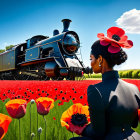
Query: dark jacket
113	105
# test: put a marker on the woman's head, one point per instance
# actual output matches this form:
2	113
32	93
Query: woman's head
107	51
101	57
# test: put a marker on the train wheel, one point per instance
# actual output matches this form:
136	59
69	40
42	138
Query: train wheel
70	78
1	77
41	72
7	76
33	78
57	78
44	78
21	74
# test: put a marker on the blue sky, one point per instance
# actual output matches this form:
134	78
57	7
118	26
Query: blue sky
22	19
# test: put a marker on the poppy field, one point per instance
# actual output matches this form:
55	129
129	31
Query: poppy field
31	121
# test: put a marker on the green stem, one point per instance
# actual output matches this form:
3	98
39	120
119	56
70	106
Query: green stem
73	134
37	120
19	130
39	136
45	126
30	120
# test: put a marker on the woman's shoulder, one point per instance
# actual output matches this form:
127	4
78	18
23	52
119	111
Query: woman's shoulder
93	89
128	85
95	97
96	87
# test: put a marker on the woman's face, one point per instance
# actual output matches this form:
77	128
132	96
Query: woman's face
95	64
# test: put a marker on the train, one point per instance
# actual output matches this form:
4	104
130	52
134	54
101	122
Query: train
44	58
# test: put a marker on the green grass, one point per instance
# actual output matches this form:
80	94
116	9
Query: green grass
54	130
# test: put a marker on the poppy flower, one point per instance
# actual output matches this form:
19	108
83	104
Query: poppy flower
4	123
54	118
76	118
116	38
139	114
16	108
44	104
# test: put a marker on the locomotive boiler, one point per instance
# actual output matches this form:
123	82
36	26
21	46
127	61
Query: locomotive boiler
42	58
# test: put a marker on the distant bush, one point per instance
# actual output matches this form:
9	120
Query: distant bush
93	75
1	50
135	73
130	73
139	75
97	75
125	74
122	74
9	47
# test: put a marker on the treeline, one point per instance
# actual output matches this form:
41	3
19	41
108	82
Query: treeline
130	74
133	74
6	48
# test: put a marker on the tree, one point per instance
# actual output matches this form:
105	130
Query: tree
1	50
9	47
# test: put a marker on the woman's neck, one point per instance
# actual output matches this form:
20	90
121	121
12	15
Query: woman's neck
105	67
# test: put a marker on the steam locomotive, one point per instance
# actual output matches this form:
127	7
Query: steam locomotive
42	58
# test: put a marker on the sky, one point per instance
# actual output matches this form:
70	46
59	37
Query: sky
22	19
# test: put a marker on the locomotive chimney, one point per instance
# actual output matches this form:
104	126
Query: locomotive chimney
66	23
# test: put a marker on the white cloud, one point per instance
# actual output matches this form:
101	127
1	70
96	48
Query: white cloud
130	21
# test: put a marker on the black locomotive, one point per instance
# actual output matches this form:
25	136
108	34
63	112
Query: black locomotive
42	58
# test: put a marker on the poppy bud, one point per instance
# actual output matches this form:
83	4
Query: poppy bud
32	134
39	130
32	101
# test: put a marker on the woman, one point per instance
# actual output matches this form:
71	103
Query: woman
113	103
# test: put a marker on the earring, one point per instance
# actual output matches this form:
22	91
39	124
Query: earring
99	65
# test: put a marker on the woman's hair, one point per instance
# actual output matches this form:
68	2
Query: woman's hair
111	58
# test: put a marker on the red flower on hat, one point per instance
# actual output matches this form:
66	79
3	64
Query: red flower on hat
116	38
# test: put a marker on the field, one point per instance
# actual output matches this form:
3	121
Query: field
64	93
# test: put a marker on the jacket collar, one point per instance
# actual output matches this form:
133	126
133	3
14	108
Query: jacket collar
110	75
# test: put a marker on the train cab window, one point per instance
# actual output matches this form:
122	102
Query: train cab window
32	41
21	49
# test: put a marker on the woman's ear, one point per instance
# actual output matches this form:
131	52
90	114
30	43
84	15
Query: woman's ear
100	59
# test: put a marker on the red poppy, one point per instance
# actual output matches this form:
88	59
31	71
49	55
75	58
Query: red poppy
116	38
139	114
16	108
76	118
54	118
44	104
4	123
